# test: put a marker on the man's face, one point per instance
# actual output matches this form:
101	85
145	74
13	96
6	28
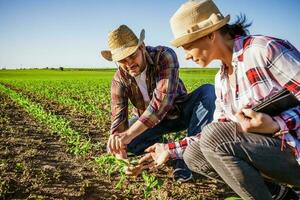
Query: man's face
134	64
199	51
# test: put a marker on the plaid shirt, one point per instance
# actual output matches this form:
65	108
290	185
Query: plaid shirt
164	88
262	67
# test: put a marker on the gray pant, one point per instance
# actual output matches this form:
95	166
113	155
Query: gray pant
242	160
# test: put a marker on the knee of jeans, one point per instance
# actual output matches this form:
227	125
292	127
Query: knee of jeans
208	90
209	135
207	93
215	134
193	157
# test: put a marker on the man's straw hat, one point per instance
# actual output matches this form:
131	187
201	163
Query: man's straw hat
122	43
196	19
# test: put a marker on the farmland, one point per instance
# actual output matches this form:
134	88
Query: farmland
54	126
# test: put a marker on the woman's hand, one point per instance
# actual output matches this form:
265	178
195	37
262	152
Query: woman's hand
256	122
157	155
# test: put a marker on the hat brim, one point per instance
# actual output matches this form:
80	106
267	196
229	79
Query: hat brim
190	37
125	52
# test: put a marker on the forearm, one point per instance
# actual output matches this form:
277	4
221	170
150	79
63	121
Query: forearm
136	129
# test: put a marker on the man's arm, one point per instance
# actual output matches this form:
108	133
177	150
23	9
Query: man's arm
119	106
165	91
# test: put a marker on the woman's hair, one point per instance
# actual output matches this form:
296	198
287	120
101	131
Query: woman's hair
239	27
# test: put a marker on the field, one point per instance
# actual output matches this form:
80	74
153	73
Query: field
54	126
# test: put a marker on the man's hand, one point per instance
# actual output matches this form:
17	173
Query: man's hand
157	155
117	143
256	122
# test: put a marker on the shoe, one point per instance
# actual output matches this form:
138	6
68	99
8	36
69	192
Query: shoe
181	172
290	194
286	193
182	175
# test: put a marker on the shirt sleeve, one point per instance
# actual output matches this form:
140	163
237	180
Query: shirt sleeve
176	149
119	106
165	91
283	62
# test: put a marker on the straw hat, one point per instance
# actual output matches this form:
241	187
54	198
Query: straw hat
122	43
196	19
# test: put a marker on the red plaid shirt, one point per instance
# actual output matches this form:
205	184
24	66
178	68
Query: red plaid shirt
164	88
262	67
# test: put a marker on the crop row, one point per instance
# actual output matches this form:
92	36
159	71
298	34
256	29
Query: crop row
59	125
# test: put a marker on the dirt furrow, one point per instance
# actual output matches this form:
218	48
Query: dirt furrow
34	163
88	125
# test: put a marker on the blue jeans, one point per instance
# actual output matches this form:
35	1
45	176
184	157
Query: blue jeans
196	112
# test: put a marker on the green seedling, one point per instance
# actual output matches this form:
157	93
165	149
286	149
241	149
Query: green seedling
151	183
77	144
19	167
109	164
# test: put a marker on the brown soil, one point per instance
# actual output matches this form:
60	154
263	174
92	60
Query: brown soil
88	125
34	163
51	173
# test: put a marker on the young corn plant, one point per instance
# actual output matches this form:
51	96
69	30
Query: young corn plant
109	164
77	144
151	183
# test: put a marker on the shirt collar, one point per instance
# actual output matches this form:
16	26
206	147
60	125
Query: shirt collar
236	55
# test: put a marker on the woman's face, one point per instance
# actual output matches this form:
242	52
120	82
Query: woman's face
200	51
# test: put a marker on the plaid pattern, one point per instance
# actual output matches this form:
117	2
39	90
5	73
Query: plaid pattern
164	88
262	67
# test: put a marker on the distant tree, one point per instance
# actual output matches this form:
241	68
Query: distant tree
3	68
61	68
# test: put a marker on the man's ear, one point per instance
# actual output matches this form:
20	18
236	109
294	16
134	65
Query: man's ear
142	46
212	36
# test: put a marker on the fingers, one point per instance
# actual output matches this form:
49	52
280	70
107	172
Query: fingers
249	112
145	158
151	148
115	144
109	145
122	155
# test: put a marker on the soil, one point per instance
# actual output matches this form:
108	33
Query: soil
34	163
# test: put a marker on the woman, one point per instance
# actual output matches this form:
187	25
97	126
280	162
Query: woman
241	146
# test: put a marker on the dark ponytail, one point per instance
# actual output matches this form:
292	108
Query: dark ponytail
238	28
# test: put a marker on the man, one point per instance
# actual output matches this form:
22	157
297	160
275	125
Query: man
149	78
251	151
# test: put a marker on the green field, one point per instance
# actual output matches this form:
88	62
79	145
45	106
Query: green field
71	109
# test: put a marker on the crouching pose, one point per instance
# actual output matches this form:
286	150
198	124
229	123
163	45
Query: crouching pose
149	78
252	152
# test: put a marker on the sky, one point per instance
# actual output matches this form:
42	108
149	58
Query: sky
71	33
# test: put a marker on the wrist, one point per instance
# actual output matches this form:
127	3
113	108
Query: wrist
128	136
166	148
276	126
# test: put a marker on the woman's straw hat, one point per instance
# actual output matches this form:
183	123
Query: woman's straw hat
122	43
196	19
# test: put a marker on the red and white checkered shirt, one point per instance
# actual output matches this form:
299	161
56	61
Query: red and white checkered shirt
262	66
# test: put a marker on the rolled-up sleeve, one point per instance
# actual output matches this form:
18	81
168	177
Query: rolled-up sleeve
119	106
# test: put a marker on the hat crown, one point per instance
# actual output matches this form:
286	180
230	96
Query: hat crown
123	36
195	16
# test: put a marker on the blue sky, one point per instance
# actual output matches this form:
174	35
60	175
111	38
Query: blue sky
71	33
